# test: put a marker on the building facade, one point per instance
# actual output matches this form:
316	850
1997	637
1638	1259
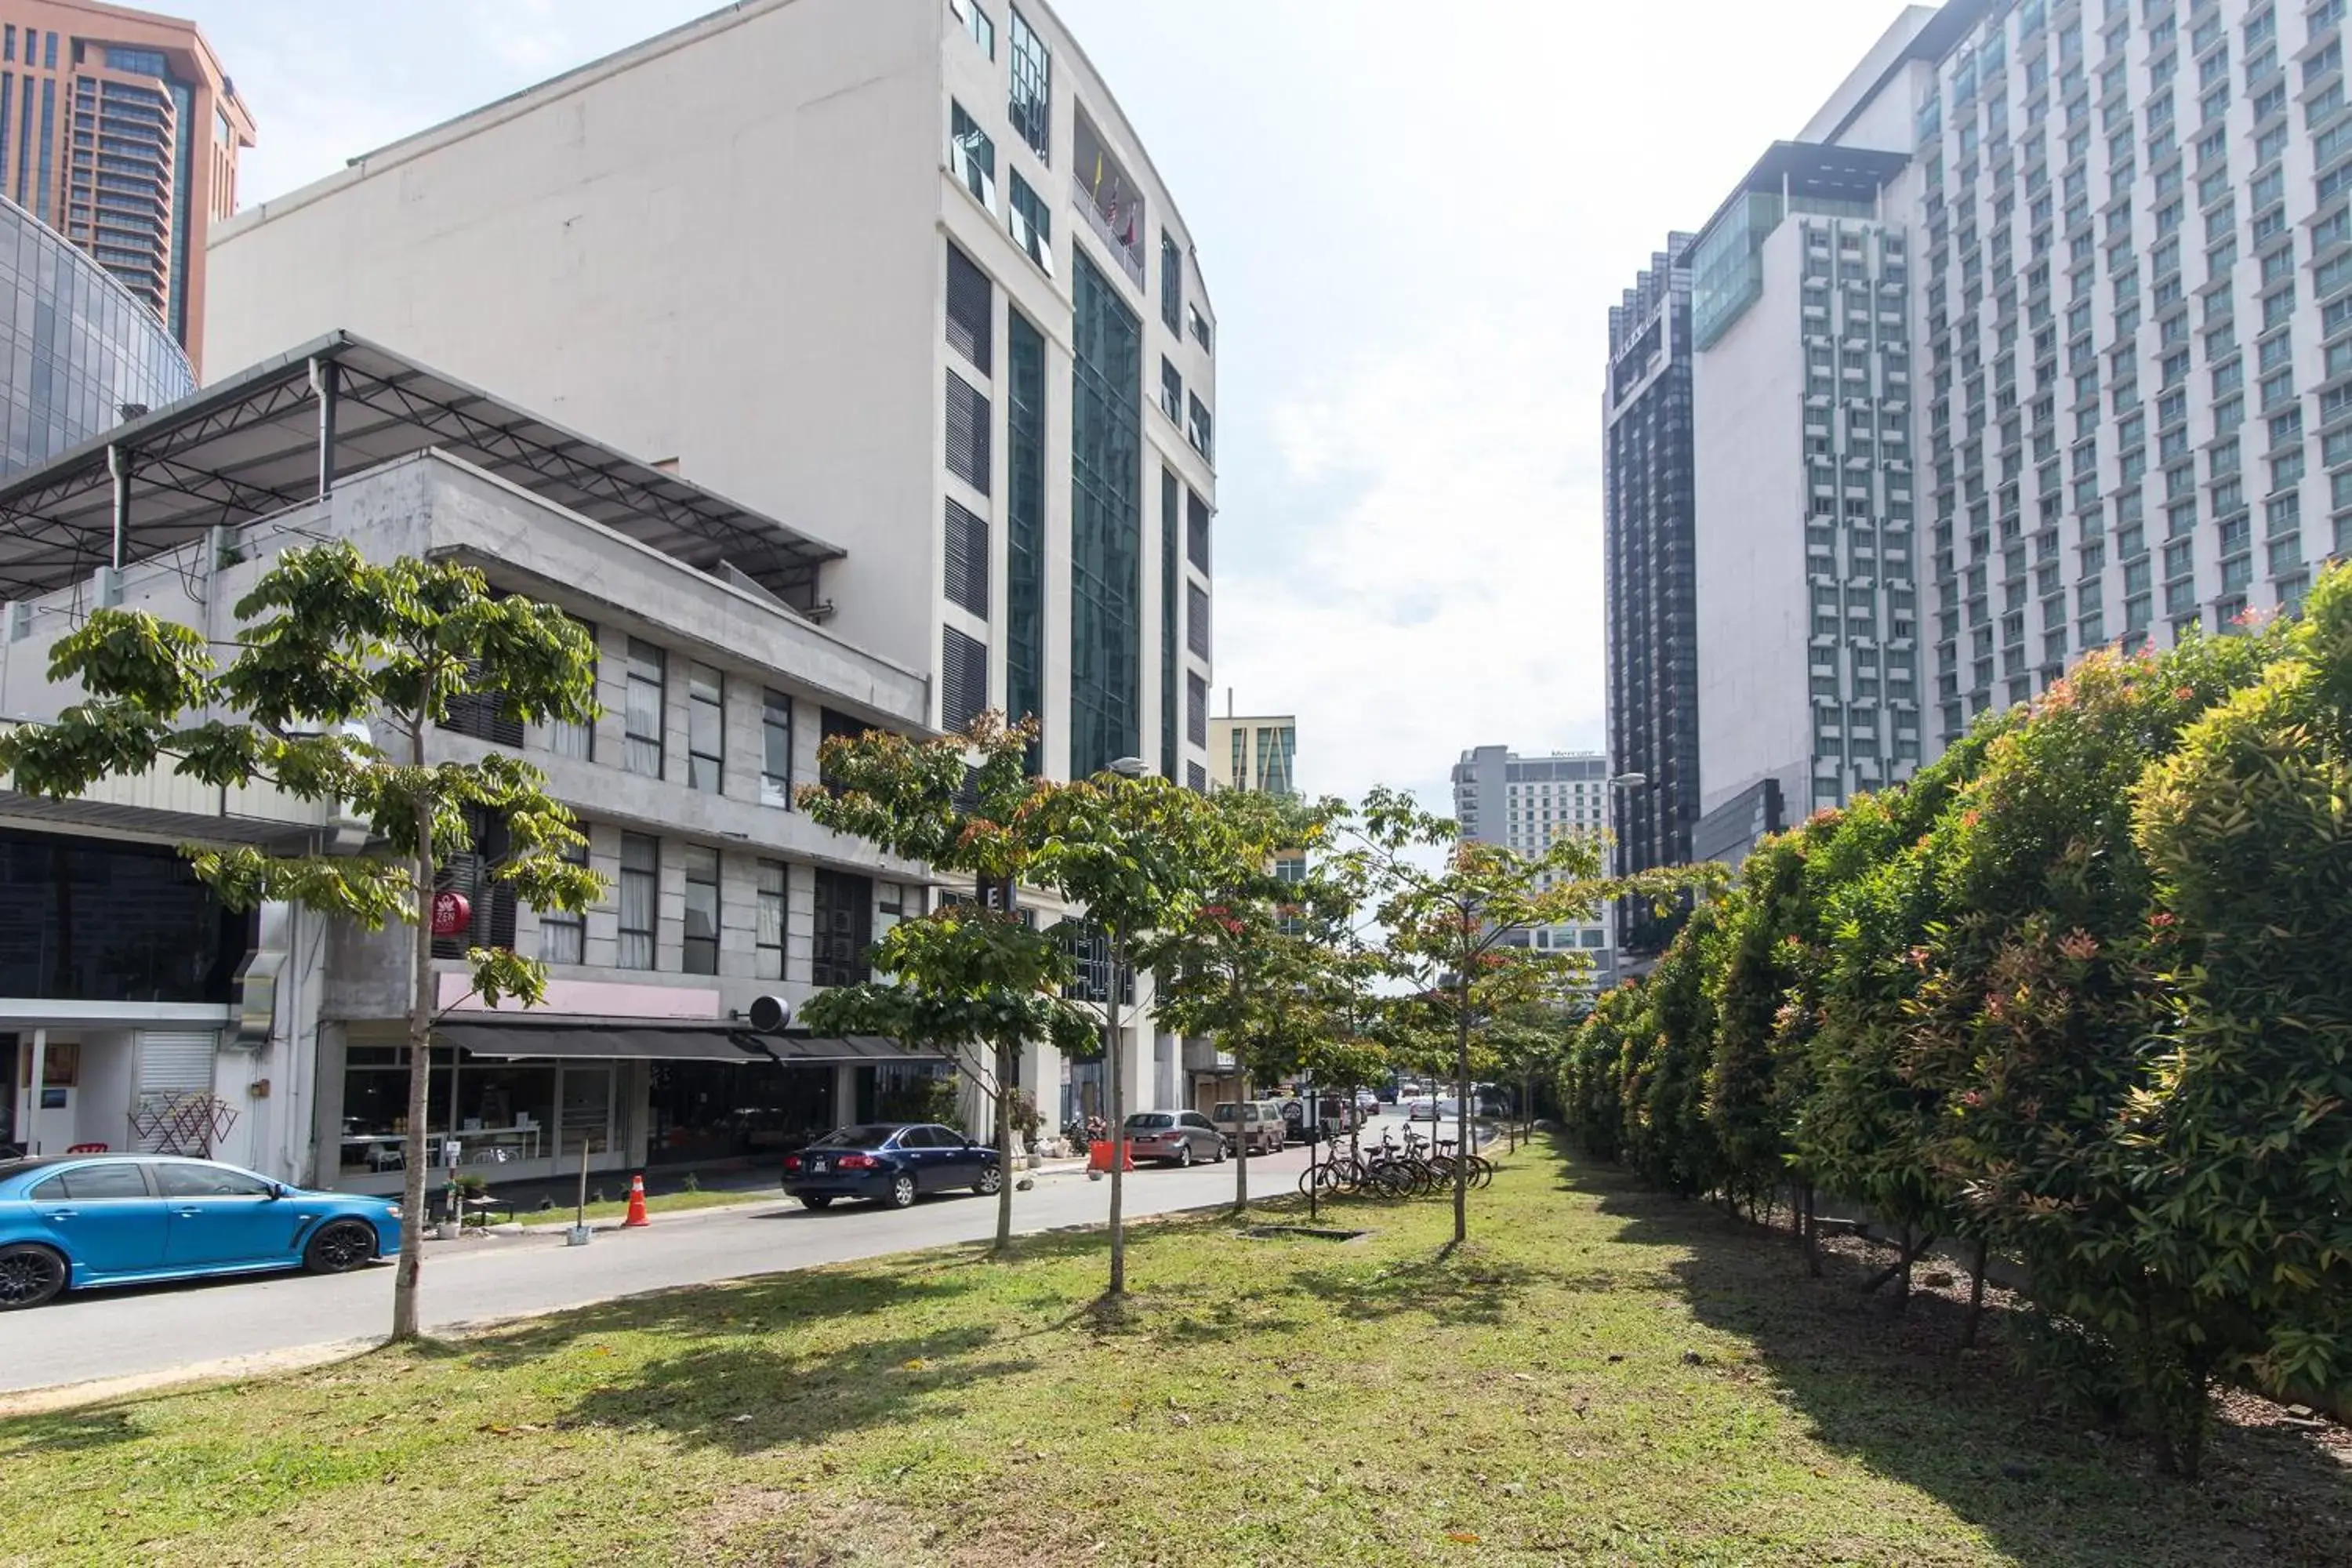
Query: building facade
989	367
119	129
1652	632
2062	293
1528	804
716	689
1258	753
76	348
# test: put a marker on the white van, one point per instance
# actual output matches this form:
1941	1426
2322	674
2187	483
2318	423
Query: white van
1254	1124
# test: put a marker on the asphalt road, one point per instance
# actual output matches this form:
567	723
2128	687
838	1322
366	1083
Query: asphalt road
113	1334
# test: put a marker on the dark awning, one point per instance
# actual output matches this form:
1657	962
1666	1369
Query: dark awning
603	1042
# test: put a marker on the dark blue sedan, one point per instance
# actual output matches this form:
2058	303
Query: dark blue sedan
889	1162
79	1221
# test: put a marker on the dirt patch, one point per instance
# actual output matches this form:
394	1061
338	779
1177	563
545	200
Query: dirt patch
770	1527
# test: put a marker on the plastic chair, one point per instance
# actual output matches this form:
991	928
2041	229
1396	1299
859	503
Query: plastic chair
86	1149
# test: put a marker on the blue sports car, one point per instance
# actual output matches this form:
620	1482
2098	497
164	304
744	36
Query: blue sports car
72	1222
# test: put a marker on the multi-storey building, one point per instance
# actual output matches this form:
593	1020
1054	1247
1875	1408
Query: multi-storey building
1255	752
125	988
1652	602
121	130
899	264
2138	307
2094	259
78	352
1528	804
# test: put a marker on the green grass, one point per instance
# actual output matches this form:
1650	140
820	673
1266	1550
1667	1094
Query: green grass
1603	1377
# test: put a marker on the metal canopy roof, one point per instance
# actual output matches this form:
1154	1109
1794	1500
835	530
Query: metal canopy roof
512	1040
251	446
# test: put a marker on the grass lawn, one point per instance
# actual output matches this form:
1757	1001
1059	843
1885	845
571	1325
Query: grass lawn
1603	1377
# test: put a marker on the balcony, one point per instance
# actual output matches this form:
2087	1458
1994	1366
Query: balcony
1110	198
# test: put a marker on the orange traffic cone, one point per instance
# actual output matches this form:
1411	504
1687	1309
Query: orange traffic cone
636	1202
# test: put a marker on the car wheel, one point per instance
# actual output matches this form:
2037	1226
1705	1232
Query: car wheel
817	1201
339	1246
29	1275
1184	1154
902	1192
991	1180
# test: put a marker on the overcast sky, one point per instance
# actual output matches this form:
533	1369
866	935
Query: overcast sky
1413	219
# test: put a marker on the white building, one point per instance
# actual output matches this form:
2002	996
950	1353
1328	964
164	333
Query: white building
1528	804
2060	293
902	266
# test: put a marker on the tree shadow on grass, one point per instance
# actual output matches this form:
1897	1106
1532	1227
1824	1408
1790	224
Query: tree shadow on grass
68	1431
1462	1287
1897	1395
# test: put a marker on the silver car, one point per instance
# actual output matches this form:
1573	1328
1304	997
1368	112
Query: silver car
1174	1137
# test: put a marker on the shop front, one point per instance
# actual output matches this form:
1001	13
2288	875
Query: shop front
524	1101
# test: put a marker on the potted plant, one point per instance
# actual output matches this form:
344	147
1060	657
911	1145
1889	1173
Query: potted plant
1030	1123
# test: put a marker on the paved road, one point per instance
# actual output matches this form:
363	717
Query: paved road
128	1333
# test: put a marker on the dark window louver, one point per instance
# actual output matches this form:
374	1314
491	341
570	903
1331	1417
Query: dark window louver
1196	531
972	311
967	432
1196	778
1196	619
963	678
967	559
1196	710
468	872
482	713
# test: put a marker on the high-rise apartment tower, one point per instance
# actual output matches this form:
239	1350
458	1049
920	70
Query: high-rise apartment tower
119	129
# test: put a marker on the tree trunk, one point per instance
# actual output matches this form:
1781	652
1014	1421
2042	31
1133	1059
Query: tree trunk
420	1068
1008	1063
1314	1198
1812	1231
1241	1143
1975	1296
1461	1111
1118	1120
1902	1264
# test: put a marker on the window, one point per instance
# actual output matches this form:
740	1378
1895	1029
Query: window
1200	331
972	311
976	22
963	678
481	711
563	933
1196	531
701	953
844	921
1199	429
971	153
1032	223
1172	282
579	740
768	951
1172	392
968	432
705	729
92	1183
177	1179
640	898
1196	708
642	713
1196	619
776	755
1031	106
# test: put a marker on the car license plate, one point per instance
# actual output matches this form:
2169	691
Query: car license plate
818	1166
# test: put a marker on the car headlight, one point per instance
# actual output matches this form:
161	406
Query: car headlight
392	1211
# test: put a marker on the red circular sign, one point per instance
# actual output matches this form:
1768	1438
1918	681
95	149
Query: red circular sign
451	913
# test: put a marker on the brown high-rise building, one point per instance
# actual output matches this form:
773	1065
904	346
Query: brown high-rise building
119	129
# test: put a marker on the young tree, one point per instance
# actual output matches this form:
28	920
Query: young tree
332	649
968	979
1450	927
1253	964
1138	856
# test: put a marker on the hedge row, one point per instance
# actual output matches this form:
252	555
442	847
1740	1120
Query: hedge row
2082	991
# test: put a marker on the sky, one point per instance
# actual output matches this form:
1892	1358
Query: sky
1412	220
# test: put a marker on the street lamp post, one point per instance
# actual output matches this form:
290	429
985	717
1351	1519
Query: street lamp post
1125	768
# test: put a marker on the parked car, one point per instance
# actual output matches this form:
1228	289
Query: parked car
1173	1137
1415	1107
78	1222
1255	1122
889	1162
